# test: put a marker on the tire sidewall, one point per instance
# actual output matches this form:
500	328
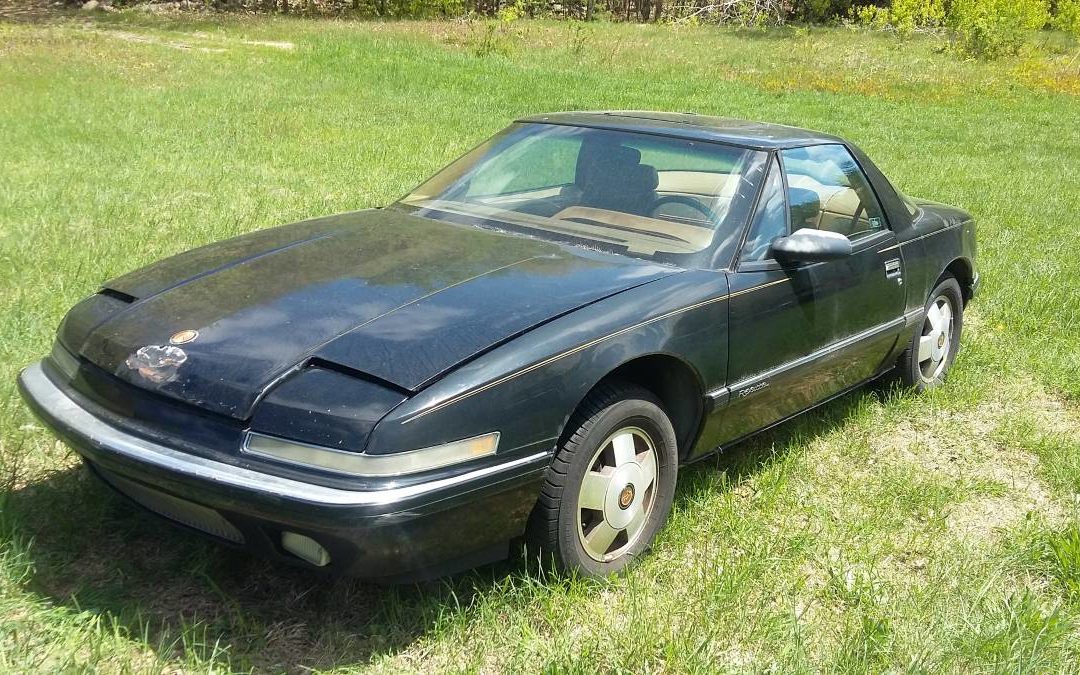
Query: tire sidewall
651	419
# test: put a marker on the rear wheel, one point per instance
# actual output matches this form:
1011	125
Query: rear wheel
926	361
611	484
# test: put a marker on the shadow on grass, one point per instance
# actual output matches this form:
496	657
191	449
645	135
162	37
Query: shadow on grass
198	601
768	33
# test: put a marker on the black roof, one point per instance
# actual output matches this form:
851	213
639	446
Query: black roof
759	135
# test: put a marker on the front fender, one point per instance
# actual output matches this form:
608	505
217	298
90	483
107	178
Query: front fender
528	388
942	239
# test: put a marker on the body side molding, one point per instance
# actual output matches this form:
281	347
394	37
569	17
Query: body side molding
723	395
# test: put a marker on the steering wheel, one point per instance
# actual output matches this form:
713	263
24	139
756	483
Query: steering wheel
694	204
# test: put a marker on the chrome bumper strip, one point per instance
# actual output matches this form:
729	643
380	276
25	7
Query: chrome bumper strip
97	433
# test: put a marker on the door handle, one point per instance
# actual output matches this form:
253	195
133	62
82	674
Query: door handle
892	268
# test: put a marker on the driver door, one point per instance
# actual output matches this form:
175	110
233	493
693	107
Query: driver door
801	333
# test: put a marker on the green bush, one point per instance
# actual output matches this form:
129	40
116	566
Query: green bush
904	16
992	28
981	28
907	15
1067	16
820	11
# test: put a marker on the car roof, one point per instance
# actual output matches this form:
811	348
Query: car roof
759	135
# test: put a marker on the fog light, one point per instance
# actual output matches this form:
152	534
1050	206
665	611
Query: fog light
305	548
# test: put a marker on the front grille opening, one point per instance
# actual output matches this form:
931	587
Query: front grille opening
193	515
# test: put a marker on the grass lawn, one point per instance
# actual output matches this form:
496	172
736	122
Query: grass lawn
883	531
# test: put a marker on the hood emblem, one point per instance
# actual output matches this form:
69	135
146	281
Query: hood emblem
183	337
157	363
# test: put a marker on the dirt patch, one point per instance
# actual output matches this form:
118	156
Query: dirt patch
151	40
273	44
979	519
966	446
201	42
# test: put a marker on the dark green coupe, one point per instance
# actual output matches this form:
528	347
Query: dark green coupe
528	345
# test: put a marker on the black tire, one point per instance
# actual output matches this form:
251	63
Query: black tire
918	375
556	525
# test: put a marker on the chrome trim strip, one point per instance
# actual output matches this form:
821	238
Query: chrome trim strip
718	393
912	317
102	435
540	364
817	354
924	236
758	288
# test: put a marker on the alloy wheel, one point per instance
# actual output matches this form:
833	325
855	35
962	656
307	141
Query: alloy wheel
617	494
937	337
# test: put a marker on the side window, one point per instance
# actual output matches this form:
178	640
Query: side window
770	219
828	191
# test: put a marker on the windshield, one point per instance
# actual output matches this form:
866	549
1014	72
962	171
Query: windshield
653	197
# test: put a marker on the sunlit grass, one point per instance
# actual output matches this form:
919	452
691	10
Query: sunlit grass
884	531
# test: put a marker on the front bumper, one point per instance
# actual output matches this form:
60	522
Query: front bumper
397	532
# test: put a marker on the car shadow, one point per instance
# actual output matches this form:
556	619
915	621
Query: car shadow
202	601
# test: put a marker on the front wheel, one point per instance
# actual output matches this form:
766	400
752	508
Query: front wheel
611	484
926	361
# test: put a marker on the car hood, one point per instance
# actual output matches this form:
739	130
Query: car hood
381	294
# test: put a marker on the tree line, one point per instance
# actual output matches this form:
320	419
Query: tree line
983	28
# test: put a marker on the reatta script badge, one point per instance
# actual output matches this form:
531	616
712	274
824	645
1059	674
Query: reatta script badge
183	337
750	390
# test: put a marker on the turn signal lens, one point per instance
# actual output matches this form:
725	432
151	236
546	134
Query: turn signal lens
356	464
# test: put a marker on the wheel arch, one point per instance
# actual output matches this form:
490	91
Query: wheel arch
672	380
964	273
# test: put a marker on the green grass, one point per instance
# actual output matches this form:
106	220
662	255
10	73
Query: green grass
883	531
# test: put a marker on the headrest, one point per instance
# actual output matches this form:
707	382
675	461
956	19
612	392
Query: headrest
611	176
622	155
644	178
604	162
805	206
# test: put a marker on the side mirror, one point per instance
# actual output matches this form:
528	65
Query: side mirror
810	245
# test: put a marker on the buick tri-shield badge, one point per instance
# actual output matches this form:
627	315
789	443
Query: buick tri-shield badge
183	337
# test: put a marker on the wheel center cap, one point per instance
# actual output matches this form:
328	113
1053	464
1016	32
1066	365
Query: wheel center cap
941	340
621	499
